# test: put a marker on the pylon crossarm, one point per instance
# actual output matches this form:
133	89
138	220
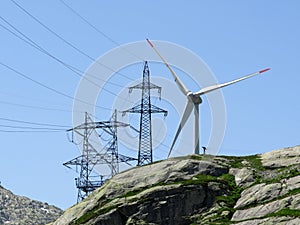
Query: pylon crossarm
155	109
134	109
123	158
76	161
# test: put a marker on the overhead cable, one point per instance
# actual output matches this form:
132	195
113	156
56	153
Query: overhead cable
33	123
49	88
99	31
29	41
65	41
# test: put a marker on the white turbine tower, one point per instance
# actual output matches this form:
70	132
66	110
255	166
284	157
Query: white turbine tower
194	99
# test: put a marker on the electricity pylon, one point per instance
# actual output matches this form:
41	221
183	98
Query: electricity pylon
145	109
86	182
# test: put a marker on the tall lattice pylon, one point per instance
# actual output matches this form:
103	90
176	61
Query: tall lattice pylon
145	109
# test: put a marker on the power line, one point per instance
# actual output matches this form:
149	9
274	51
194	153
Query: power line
99	31
33	44
65	41
33	123
55	109
34	107
29	131
37	99
48	87
38	47
36	82
89	23
32	128
41	127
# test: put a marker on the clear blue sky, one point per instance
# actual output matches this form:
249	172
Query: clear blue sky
234	38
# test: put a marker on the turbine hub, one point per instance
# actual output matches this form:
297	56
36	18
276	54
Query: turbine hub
195	99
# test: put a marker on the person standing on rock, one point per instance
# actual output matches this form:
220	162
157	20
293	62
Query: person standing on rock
204	150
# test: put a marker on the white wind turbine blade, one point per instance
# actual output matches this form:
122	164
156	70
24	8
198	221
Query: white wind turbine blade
218	86
181	86
187	112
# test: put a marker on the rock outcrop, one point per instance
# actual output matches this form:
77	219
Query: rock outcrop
18	210
277	193
282	157
259	189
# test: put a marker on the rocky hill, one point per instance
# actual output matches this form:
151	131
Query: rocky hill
18	210
258	189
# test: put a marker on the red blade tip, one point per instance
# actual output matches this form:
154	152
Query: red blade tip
149	42
265	70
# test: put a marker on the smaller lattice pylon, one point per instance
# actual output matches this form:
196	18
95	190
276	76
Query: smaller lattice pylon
86	182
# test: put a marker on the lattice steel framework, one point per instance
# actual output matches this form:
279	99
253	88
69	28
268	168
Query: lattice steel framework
145	109
86	182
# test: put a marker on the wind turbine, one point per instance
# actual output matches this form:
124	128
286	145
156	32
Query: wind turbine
194	99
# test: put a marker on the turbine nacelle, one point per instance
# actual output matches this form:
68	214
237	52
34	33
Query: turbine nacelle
196	99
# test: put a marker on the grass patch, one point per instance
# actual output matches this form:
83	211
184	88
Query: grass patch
196	157
285	212
234	192
287	172
283	173
93	213
235	161
131	193
230	179
199	179
292	173
86	217
253	161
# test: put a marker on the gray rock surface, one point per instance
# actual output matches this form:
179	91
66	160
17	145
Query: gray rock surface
18	210
291	183
168	202
265	190
260	193
281	157
161	205
243	177
261	210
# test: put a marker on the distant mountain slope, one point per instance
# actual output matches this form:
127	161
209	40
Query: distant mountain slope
249	190
18	210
